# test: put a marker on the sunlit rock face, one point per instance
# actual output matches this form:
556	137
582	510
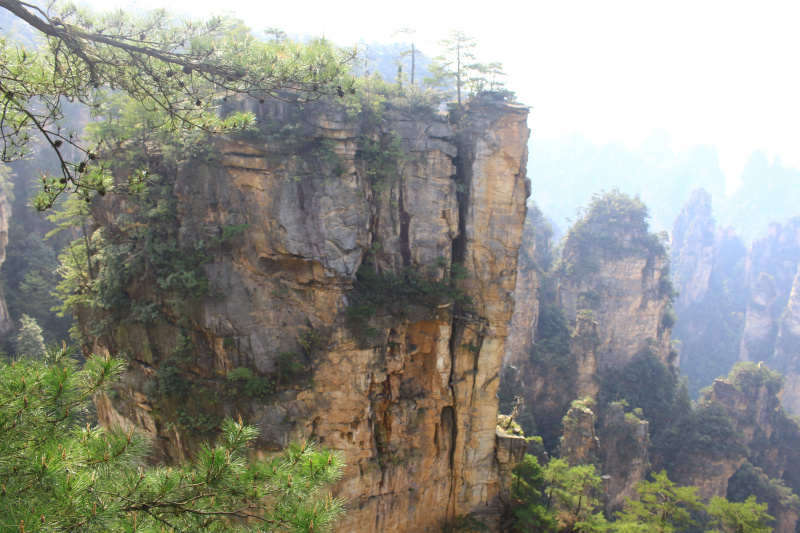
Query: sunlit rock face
631	308
412	405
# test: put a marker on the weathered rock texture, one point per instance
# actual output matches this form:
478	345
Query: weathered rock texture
624	441
771	323
692	248
413	408
630	317
709	277
752	399
532	258
6	324
787	351
580	445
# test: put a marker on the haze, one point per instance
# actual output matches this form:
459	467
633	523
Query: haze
716	73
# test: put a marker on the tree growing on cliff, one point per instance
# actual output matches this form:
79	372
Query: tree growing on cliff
739	517
58	473
179	69
662	507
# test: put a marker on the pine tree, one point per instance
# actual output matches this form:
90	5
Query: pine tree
58	472
30	342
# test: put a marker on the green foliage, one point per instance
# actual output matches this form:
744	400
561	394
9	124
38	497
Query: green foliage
28	276
468	523
60	473
614	225
646	383
311	339
751	481
553	334
669	319
709	433
29	340
747	376
400	294
289	367
527	502
662	507
745	517
99	269
242	381
573	492
193	64
170	381
383	158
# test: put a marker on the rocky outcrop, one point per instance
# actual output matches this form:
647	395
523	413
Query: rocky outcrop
625	299
692	248
409	393
751	397
624	440
579	444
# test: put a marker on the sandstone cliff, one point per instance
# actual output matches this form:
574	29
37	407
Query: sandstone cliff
750	395
616	271
404	388
624	439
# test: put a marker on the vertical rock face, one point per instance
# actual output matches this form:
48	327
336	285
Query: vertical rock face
692	248
580	445
411	403
709	277
631	308
760	327
623	454
787	351
771	324
6	325
752	400
526	299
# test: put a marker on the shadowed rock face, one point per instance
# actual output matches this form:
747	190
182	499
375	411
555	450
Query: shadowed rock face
413	407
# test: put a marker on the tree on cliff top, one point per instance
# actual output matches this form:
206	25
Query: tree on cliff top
58	473
181	69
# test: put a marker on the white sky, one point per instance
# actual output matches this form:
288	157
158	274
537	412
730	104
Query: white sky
719	73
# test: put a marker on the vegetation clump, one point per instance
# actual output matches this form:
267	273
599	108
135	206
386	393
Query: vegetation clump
404	293
61	473
615	225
